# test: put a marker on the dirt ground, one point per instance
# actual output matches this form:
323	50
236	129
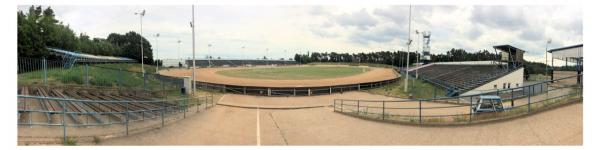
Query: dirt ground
210	75
225	125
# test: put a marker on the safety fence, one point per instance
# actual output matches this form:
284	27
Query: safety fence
91	118
32	71
292	91
464	109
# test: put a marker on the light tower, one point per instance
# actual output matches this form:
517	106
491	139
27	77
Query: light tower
426	57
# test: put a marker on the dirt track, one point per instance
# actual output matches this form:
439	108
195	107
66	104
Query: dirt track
210	75
225	125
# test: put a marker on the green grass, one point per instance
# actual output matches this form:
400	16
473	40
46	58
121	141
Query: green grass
107	75
418	88
295	73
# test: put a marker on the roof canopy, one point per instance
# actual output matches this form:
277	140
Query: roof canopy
508	48
82	57
569	53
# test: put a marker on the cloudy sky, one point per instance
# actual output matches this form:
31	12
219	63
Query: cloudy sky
285	30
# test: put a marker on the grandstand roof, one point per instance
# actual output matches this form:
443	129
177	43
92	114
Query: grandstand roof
82	57
568	53
565	48
507	47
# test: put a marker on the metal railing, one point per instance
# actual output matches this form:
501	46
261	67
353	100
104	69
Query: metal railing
460	110
292	91
33	111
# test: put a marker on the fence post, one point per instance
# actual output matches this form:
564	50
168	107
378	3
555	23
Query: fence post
87	78
145	77
126	118
162	116
358	107
420	108
185	106
434	92
512	97
342	106
383	111
45	65
63	122
471	109
529	99
119	78
334	108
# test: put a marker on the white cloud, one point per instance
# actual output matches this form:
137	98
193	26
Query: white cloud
285	30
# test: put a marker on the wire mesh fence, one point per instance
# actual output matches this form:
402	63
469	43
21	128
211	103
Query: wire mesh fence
462	110
115	75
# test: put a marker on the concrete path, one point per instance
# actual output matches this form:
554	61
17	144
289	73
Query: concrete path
225	125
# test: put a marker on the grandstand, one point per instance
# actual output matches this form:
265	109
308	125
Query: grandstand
474	77
233	63
49	109
88	58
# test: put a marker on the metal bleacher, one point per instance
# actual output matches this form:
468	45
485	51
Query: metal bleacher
457	79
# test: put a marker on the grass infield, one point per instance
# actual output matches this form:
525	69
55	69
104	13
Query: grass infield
295	73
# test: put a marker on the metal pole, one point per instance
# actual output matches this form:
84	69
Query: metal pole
63	122
358	107
185	107
156	40
342	106
45	72
142	41
193	53
420	108
471	109
126	118
383	111
529	100
408	50
162	116
512	97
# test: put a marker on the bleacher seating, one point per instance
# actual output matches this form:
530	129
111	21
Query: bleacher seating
460	78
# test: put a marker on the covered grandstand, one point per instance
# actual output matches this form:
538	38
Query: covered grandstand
474	77
568	54
88	58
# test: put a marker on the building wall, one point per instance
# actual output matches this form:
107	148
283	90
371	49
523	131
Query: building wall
513	78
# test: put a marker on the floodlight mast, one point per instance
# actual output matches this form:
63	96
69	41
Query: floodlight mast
141	40
193	53
179	51
156	48
546	52
408	49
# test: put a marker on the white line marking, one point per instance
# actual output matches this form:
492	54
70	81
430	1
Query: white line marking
257	127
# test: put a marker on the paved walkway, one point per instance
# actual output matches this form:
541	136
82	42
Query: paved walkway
224	125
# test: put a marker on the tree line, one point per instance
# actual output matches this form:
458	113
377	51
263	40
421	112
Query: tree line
38	29
394	58
399	57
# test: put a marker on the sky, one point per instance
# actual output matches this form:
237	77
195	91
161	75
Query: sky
280	31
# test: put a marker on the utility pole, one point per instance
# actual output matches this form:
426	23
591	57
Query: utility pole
408	49
193	53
